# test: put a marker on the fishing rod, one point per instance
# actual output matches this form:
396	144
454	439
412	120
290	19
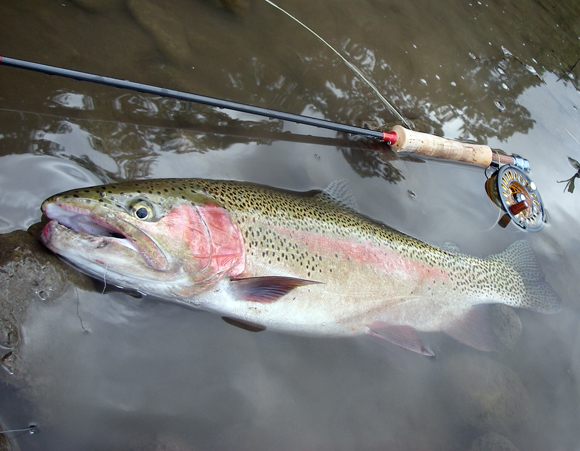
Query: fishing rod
509	187
399	138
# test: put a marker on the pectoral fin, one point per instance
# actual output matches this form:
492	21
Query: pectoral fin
474	329
404	336
265	289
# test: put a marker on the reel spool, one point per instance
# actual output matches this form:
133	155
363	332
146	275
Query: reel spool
513	191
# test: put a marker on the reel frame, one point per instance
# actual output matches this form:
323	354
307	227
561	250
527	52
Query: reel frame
517	195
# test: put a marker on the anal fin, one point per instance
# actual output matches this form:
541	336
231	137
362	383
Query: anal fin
266	289
474	329
403	336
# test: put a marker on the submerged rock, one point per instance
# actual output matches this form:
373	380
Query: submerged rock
165	28
507	327
492	442
99	5
485	394
4	443
30	274
238	7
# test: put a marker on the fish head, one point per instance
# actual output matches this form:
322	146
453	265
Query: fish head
164	237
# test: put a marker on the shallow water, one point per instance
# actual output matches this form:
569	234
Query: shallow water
110	371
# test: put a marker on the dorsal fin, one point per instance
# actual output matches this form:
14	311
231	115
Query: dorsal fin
450	247
339	192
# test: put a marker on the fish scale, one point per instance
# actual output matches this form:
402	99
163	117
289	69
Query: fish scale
299	263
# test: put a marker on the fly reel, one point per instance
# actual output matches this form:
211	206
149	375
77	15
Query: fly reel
513	191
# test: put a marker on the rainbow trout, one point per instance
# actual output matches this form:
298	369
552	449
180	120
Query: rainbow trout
299	263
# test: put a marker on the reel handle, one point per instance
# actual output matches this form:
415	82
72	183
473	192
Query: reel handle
436	147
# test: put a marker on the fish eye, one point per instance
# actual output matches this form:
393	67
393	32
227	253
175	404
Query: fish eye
142	213
142	210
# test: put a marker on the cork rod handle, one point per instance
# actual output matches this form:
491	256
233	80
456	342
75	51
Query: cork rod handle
436	147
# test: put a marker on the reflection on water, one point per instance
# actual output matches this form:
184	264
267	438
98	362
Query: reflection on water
110	371
24	179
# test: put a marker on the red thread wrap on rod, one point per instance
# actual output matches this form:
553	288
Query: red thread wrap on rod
389	137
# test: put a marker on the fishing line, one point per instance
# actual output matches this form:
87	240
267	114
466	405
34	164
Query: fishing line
351	66
499	215
573	137
30	429
78	314
105	279
489	229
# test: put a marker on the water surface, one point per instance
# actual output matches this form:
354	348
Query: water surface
110	371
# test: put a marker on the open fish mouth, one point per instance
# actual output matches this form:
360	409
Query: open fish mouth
81	221
75	224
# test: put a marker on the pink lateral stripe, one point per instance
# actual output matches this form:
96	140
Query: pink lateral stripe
365	253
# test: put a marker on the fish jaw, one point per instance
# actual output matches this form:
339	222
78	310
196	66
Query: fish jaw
102	245
98	228
103	257
176	256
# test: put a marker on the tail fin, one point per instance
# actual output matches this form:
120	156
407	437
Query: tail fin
539	295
